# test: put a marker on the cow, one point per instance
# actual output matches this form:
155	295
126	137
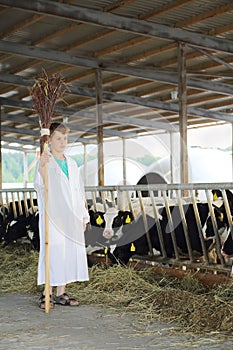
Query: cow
3	216
18	208
217	194
134	239
227	245
23	226
33	229
15	229
222	224
105	227
93	235
227	249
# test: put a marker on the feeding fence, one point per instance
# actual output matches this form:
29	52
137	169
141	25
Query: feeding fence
149	199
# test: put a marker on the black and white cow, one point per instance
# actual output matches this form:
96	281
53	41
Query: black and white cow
223	226
15	229
105	227
33	229
227	250
227	245
134	239
94	231
18	208
23	226
217	194
3	216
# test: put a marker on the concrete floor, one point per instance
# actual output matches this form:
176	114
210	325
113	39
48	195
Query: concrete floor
24	326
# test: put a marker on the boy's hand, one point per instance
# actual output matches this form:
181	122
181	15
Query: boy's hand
84	225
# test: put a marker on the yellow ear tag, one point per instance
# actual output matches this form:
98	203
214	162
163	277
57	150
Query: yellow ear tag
99	220
215	197
105	250
221	217
127	220
132	248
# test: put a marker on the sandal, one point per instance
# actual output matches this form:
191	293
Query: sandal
65	300
42	302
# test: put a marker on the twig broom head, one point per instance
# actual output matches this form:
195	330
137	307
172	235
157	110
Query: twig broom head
45	92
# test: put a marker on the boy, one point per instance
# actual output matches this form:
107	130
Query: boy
67	218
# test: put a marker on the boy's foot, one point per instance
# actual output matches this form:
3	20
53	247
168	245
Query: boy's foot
64	300
42	302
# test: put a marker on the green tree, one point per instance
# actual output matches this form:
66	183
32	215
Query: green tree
13	165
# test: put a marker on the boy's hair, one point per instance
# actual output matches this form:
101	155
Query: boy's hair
59	127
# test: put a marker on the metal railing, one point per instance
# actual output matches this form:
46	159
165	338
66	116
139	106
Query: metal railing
147	200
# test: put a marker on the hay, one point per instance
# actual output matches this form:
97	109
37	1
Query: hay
186	302
18	269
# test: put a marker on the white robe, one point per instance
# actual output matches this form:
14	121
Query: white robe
66	210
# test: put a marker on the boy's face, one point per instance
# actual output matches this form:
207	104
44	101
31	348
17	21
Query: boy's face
58	141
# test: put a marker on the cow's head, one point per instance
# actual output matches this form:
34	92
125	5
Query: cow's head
33	229
227	245
114	221
221	220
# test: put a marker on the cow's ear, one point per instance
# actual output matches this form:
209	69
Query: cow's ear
215	196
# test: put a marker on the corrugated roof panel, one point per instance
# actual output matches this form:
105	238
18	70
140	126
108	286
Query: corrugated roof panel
70	38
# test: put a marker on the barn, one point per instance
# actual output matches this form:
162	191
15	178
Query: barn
132	68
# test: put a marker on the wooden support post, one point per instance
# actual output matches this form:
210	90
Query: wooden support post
182	90
232	150
0	147
25	169
99	122
124	161
85	163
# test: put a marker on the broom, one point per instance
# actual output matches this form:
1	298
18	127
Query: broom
45	92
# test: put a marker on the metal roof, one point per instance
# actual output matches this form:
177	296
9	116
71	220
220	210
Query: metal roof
135	46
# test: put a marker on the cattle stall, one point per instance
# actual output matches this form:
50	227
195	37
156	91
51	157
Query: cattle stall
152	204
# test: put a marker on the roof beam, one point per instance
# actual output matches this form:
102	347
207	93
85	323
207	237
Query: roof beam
19	119
151	124
116	97
18	130
74	128
124	69
35	133
24	142
141	27
20	141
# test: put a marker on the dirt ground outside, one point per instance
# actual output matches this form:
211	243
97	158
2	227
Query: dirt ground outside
24	326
